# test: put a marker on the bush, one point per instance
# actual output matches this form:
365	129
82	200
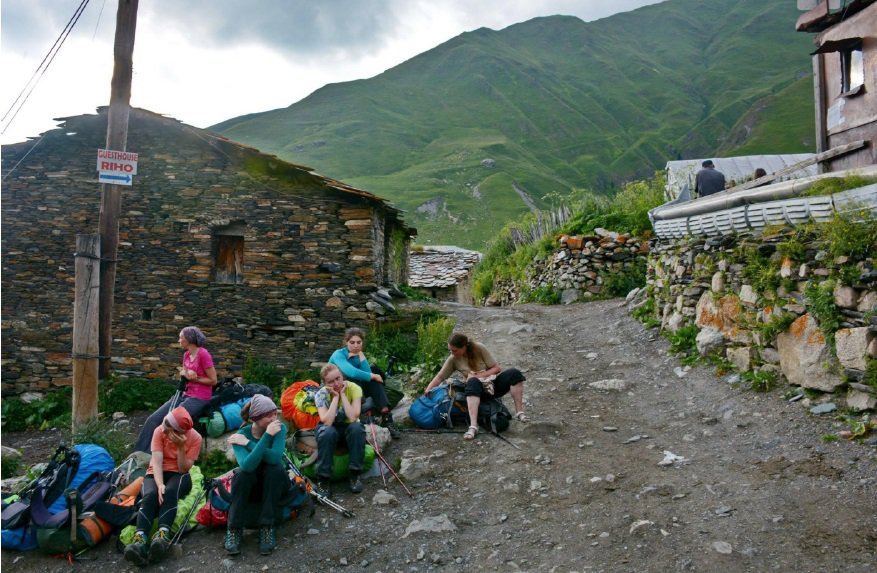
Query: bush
101	432
215	463
260	372
132	394
633	276
542	295
432	344
52	411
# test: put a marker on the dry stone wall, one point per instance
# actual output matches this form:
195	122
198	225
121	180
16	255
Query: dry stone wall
760	308
310	255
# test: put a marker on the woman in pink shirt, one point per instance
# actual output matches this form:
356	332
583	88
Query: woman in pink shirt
200	375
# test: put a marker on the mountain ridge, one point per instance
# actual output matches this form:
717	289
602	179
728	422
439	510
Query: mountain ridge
555	104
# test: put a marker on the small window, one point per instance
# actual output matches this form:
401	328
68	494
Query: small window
145	314
181	226
229	259
852	63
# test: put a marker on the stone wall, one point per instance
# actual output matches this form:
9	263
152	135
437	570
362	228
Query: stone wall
580	268
313	250
756	301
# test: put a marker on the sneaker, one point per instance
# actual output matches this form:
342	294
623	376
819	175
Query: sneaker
391	426
267	540
233	539
161	541
355	483
325	486
135	552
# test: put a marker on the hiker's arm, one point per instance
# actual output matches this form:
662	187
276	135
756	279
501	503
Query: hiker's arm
447	370
351	409
183	461
208	380
274	453
349	371
495	369
328	413
250	456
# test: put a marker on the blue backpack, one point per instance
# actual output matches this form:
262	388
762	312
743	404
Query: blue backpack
434	411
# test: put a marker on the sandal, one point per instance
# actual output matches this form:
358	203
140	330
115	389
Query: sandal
522	417
471	433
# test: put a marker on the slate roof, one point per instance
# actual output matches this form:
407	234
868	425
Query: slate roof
439	267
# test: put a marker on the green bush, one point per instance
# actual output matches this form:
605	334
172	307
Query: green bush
759	381
620	283
101	432
260	372
432	345
647	313
415	294
819	300
52	411
10	467
215	463
132	394
542	295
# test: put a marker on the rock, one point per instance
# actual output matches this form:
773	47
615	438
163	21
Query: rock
805	358
852	346
709	340
636	525
488	163
741	357
723	547
8	453
569	296
433	524
612	384
860	401
823	408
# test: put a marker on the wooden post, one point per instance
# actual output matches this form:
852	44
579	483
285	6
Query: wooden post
85	321
111	195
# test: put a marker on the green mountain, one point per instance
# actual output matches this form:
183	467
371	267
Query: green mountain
473	133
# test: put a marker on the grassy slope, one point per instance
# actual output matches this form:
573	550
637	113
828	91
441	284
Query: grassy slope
558	104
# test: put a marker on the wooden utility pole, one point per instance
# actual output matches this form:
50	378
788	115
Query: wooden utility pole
85	319
111	195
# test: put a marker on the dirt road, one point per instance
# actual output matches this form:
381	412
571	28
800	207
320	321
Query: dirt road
630	464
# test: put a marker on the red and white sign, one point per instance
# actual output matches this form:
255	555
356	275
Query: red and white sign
116	162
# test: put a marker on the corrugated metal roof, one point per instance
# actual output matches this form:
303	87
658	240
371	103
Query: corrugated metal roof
680	174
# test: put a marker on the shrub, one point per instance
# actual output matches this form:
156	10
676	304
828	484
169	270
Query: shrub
260	372
132	394
759	381
101	432
215	463
542	295
51	411
10	467
633	276
819	299
432	344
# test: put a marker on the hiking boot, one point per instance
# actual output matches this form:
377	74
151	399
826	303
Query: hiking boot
135	552
161	541
325	486
388	423
355	482
233	539
267	540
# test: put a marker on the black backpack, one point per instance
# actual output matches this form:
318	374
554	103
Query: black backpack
493	415
51	484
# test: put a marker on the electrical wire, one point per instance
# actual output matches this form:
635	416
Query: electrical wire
44	65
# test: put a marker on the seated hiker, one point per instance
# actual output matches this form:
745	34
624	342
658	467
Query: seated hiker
175	447
354	366
200	376
338	404
484	378
259	448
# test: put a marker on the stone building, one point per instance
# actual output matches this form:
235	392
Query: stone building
443	272
270	259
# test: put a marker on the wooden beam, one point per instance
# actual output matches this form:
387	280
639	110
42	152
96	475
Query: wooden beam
85	328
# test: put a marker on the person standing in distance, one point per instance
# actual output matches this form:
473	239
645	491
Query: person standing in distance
708	180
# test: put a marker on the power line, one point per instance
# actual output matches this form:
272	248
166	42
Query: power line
44	65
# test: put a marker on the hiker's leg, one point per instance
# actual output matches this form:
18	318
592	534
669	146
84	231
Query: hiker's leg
511	381
176	487
144	440
375	391
241	485
195	407
354	435
275	483
474	389
327	439
148	505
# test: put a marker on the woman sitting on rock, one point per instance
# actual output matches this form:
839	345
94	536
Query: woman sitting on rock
484	378
259	448
354	366
338	403
200	376
175	447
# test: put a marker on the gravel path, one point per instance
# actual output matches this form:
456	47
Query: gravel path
630	464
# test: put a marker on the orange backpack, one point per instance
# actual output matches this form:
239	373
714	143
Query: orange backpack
297	404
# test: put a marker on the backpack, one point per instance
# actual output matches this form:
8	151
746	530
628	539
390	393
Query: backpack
54	479
297	404
393	388
493	415
118	511
214	513
58	524
432	411
226	418
217	419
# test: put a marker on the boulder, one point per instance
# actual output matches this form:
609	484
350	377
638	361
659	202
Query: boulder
805	357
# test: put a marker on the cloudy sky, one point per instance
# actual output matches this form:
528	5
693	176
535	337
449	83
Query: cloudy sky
204	61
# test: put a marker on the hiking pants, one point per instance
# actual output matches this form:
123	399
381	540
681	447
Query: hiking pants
192	405
176	487
501	384
266	487
330	437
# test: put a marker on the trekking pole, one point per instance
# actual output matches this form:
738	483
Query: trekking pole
375	445
313	490
181	387
506	440
393	472
435	431
207	486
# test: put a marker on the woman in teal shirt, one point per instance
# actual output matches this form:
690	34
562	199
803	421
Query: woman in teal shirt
259	449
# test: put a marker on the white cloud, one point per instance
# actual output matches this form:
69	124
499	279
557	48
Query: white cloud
204	61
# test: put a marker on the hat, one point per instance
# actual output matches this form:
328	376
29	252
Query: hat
707	163
261	405
179	419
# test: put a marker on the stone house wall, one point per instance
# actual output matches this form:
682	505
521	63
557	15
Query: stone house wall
302	252
711	283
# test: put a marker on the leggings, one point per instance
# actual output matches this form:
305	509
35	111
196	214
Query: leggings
176	487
